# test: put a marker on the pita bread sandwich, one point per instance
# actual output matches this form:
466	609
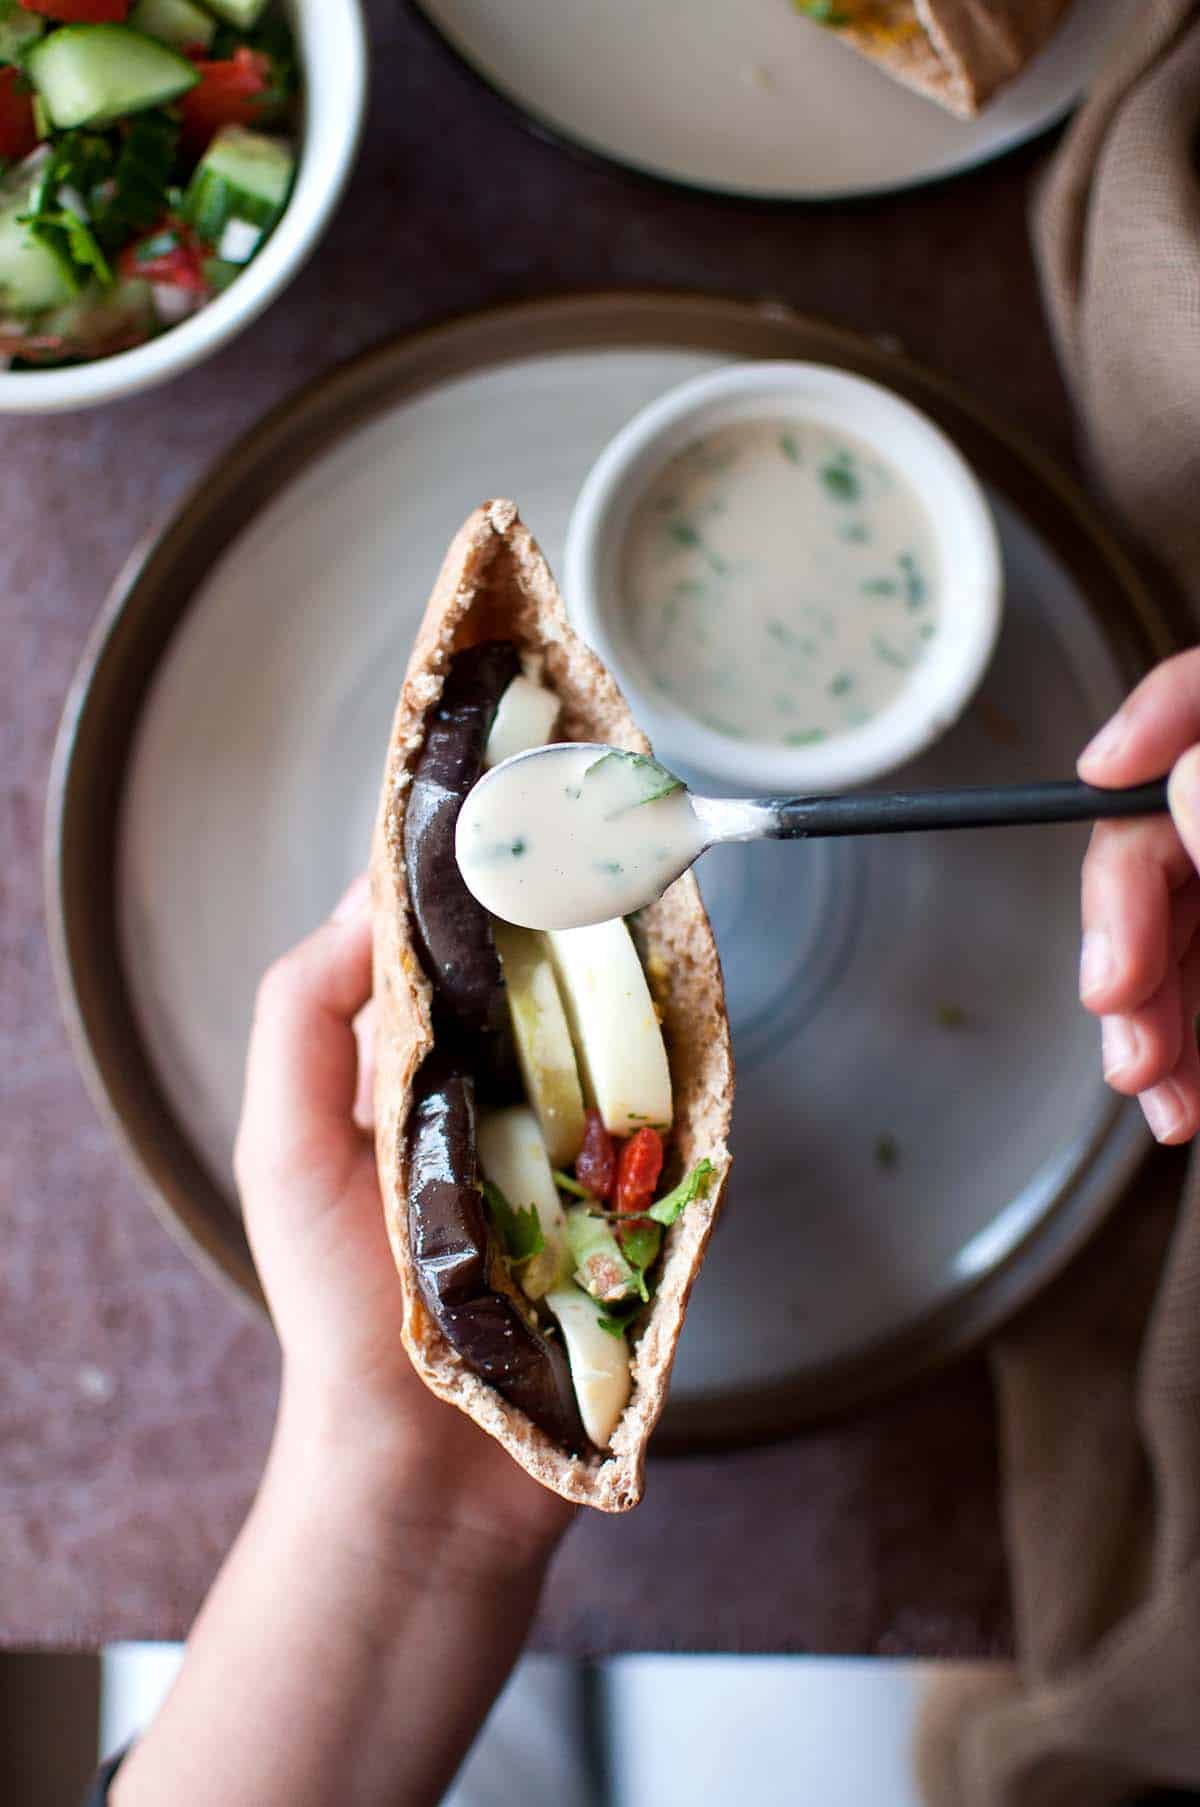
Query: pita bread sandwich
957	52
551	1109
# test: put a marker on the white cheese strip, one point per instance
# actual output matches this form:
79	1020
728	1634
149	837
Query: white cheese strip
543	1039
622	1060
525	718
599	1363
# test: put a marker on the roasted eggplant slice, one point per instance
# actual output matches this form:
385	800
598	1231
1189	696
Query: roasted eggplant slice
456	1263
453	932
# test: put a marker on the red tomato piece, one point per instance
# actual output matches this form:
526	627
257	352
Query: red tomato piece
230	92
170	254
596	1167
18	134
80	12
638	1170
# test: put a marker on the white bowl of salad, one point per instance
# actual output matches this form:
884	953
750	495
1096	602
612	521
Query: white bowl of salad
166	166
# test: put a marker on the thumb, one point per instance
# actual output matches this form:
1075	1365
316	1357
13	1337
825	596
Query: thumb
302	1063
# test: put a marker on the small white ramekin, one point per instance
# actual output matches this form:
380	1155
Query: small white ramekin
331	42
971	575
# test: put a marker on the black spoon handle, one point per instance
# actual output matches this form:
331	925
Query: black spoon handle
983	806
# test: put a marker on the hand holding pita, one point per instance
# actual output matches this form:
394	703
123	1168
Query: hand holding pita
384	1581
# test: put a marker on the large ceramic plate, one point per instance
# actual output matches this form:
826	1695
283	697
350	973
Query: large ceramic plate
921	1134
746	98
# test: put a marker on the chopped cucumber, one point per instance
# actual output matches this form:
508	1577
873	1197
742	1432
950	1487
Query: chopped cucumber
33	275
245	14
600	1267
174	22
242	180
18	30
94	74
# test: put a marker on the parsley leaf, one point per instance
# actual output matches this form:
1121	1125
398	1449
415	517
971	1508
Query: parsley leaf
841	482
72	242
665	1210
141	177
649	778
62	205
640	1247
614	1326
519	1229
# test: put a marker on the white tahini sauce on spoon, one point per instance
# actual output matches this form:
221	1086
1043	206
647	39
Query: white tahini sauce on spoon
780	581
571	835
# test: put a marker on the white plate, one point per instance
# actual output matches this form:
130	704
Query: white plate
248	808
745	97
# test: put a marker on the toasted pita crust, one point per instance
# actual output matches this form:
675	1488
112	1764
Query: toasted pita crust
495	583
956	52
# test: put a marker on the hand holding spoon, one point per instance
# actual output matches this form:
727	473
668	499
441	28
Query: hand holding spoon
577	833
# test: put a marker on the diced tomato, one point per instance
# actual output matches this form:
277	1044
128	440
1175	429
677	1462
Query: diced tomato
170	254
79	12
230	92
638	1170
596	1167
18	134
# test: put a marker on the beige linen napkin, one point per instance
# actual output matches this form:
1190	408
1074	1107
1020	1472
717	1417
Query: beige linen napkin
1098	1386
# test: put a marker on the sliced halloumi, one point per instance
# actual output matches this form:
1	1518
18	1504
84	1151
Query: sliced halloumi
599	1362
513	1157
622	1059
524	718
544	1047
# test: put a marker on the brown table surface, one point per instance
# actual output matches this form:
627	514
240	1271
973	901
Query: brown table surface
136	1397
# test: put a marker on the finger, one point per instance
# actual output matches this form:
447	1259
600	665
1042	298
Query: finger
1185	919
1157	722
1183	793
302	1065
1143	1047
1129	875
1172	1106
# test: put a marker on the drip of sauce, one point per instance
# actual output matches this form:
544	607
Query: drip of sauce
780	581
574	835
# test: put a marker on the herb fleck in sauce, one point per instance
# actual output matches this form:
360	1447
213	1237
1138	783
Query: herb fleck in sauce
781	581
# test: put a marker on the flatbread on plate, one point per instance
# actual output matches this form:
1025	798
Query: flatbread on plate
956	52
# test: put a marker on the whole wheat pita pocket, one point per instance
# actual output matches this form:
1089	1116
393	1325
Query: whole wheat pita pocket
496	584
955	52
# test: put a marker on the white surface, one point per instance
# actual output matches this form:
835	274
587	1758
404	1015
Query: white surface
134	1681
531	1744
331	38
678	1730
253	787
750	98
768	1731
968	560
